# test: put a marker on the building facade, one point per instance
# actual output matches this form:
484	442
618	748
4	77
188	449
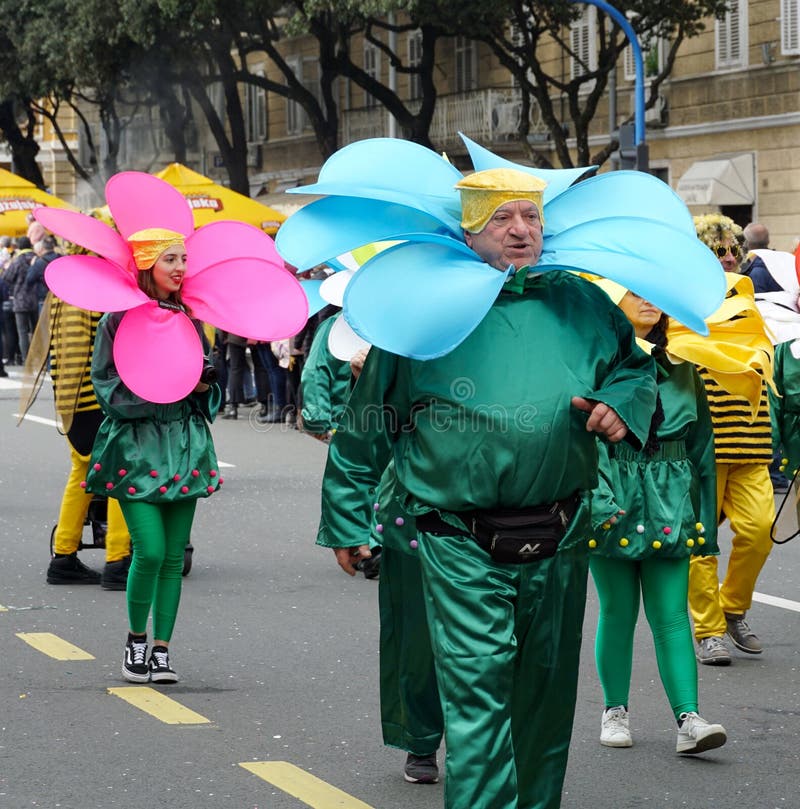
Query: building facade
724	133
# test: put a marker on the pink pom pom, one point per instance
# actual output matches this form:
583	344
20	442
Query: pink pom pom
185	489
97	467
83	484
122	472
162	489
209	489
131	490
195	473
109	485
414	544
379	528
176	477
153	473
399	521
667	530
213	473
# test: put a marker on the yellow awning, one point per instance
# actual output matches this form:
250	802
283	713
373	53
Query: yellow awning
211	202
18	198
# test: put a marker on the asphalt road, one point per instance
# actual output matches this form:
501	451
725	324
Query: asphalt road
277	652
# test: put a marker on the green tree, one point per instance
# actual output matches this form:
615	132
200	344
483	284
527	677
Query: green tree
517	31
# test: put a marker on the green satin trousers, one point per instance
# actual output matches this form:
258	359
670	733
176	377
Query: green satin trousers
411	714
506	640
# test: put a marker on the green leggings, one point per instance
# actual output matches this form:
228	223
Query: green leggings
663	584
159	535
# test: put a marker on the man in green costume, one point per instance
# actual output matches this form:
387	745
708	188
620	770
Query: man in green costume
500	429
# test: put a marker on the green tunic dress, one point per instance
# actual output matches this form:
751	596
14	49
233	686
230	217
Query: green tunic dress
155	453
668	496
785	408
326	384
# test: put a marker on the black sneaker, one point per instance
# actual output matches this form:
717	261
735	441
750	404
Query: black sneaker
159	667
70	570
115	574
421	769
134	665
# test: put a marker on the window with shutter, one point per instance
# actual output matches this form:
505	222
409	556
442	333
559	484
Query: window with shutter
583	40
790	27
256	106
731	36
466	59
372	67
414	58
295	115
654	50
518	40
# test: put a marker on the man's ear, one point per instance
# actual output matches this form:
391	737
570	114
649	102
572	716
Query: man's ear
468	238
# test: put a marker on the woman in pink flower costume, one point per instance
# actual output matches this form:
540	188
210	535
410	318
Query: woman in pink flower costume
157	279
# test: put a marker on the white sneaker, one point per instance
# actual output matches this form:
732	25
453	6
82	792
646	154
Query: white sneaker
695	735
614	730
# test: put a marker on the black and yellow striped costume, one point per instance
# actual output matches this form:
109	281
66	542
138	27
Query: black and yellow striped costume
743	449
72	332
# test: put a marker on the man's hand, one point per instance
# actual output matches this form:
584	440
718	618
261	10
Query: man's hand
602	419
357	362
348	557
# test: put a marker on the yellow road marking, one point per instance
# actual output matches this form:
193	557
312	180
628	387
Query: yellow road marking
52	645
3	609
158	705
311	790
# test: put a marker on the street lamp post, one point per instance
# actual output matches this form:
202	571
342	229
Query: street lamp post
632	147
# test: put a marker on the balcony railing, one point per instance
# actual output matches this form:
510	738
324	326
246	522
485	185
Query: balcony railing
487	116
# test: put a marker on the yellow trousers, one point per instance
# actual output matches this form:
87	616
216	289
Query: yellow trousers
744	495
72	515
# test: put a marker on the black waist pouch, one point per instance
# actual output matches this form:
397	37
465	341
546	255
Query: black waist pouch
512	536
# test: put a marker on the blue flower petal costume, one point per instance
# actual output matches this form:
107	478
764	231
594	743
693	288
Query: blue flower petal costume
423	297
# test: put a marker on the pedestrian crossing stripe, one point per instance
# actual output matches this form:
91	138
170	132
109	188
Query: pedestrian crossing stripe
159	705
298	783
53	646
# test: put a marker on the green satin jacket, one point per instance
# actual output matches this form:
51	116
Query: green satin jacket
491	423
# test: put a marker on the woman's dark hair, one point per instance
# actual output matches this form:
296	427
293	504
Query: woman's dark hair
658	337
658	334
144	279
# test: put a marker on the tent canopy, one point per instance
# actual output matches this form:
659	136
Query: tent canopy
211	202
723	180
18	198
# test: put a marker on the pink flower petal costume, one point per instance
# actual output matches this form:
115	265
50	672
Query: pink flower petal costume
155	445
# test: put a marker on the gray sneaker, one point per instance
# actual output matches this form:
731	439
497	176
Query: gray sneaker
742	636
713	651
695	735
421	769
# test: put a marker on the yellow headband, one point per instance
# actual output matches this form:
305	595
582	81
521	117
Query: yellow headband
148	244
483	192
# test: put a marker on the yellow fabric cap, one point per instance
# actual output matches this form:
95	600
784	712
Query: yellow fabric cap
483	192
148	244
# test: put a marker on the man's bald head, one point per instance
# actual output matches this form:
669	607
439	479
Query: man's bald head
756	236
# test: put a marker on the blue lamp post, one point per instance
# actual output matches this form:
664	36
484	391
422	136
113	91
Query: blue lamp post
635	146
